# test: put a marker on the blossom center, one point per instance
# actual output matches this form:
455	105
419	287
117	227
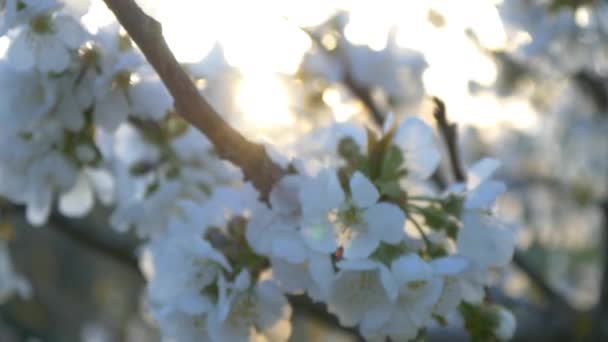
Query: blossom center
42	24
350	216
89	54
122	79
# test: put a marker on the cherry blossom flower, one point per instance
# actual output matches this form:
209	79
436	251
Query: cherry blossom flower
47	41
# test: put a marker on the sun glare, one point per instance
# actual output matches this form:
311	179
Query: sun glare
263	41
264	101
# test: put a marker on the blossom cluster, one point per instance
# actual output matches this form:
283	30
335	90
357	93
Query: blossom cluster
356	224
366	238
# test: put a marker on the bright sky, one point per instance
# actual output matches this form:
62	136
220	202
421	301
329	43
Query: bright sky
262	40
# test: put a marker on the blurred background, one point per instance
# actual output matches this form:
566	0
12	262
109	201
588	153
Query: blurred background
526	81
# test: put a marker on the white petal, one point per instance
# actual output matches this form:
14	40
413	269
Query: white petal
150	99
111	111
51	55
361	246
39	207
357	265
485	240
322	272
20	54
389	282
410	268
103	182
385	221
363	191
272	312
294	278
284	196
290	247
506	325
69	31
321	193
320	236
243	280
70	113
421	154
481	171
77	8
450	265
79	200
484	196
258	228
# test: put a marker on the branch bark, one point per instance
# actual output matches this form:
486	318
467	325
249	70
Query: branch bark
251	158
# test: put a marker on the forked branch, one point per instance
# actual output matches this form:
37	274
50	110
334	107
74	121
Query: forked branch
251	158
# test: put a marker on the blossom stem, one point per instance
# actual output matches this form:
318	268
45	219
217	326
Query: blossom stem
427	242
424	199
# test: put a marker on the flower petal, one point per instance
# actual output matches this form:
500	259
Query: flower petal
69	31
51	55
320	236
481	171
363	191
79	200
421	153
322	272
485	195
111	111
361	246
385	221
410	268
389	282
20	54
321	193
485	240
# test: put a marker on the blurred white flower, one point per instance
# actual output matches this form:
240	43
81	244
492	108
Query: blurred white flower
46	42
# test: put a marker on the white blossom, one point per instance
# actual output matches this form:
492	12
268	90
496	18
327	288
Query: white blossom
184	264
485	240
46	42
419	291
358	224
363	292
250	312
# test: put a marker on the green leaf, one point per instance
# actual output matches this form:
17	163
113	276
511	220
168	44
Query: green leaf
390	188
393	159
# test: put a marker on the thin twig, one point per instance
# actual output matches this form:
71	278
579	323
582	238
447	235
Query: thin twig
251	158
449	132
348	78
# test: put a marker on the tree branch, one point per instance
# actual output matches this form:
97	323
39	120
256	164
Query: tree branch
252	158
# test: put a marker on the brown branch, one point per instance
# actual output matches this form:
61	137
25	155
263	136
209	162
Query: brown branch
449	132
251	158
